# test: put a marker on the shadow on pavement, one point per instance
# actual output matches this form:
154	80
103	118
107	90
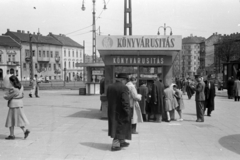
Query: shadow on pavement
87	113
231	142
192	114
100	146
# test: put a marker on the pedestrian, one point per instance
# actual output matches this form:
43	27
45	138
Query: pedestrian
143	90
168	101
179	96
189	89
156	100
210	94
16	116
230	85
134	98
199	98
236	89
184	83
35	86
175	103
119	113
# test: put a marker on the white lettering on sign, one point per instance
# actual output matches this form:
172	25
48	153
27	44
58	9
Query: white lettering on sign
137	60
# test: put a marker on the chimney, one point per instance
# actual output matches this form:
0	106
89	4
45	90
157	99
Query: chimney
18	31
28	32
23	31
8	30
216	33
34	33
191	35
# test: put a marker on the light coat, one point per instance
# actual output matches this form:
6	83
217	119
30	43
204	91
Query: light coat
134	97
236	88
14	97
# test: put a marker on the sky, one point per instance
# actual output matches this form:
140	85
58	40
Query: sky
185	17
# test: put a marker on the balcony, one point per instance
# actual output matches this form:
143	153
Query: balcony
43	59
57	59
13	63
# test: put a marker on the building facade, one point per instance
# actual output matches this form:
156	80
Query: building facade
190	56
46	55
72	53
10	52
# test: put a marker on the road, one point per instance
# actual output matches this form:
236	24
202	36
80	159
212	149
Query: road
66	126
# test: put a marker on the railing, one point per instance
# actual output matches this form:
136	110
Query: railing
53	85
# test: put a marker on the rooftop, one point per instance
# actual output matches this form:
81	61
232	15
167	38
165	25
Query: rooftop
192	40
66	41
8	41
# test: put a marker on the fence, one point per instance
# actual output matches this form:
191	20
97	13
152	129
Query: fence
53	85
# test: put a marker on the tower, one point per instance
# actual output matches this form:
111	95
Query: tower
127	17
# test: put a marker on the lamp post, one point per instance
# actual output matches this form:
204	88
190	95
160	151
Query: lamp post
165	28
93	28
31	59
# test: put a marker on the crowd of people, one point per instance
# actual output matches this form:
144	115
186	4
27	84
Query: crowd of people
129	104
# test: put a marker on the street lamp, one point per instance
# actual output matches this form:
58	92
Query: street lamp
94	27
165	27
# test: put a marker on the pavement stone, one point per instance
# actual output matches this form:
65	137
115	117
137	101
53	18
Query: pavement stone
66	126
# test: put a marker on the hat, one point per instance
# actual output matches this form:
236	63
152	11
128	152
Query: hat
209	76
197	76
122	75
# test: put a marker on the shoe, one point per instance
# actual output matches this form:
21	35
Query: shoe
209	115
124	144
199	120
10	138
134	132
37	97
115	148
30	95
168	120
26	133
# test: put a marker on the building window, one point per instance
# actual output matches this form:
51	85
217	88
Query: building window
73	64
36	65
33	53
13	58
43	53
47	53
56	54
69	64
64	53
73	53
59	65
41	66
9	58
27	53
55	77
80	54
49	67
54	66
68	53
0	58
45	65
24	66
51	54
77	54
65	64
40	55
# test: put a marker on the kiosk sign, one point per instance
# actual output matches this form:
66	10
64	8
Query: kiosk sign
139	42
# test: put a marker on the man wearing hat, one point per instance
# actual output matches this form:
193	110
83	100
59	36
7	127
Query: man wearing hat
199	98
119	112
209	95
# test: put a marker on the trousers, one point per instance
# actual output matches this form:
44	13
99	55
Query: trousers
200	110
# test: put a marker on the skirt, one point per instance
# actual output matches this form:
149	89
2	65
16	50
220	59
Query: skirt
16	118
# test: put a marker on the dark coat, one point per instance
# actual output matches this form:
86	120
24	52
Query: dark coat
102	86
119	111
210	94
200	88
230	85
143	90
189	90
157	98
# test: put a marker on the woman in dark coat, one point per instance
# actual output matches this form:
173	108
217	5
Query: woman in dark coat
230	85
210	93
143	90
189	89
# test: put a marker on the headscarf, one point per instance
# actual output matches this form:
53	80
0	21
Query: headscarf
171	87
6	81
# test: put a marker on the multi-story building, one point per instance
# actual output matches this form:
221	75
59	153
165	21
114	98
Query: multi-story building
190	57
9	57
46	52
72	53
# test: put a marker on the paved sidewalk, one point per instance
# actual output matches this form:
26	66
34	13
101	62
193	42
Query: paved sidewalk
66	126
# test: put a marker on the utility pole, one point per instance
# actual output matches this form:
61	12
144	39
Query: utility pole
31	59
128	15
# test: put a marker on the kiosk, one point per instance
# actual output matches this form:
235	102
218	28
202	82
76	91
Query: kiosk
142	56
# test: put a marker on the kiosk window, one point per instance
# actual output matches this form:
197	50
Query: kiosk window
149	72
131	70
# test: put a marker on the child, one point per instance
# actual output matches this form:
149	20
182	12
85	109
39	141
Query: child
178	95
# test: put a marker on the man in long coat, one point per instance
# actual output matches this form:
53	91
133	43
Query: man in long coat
199	98
209	95
236	89
119	113
143	90
157	99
